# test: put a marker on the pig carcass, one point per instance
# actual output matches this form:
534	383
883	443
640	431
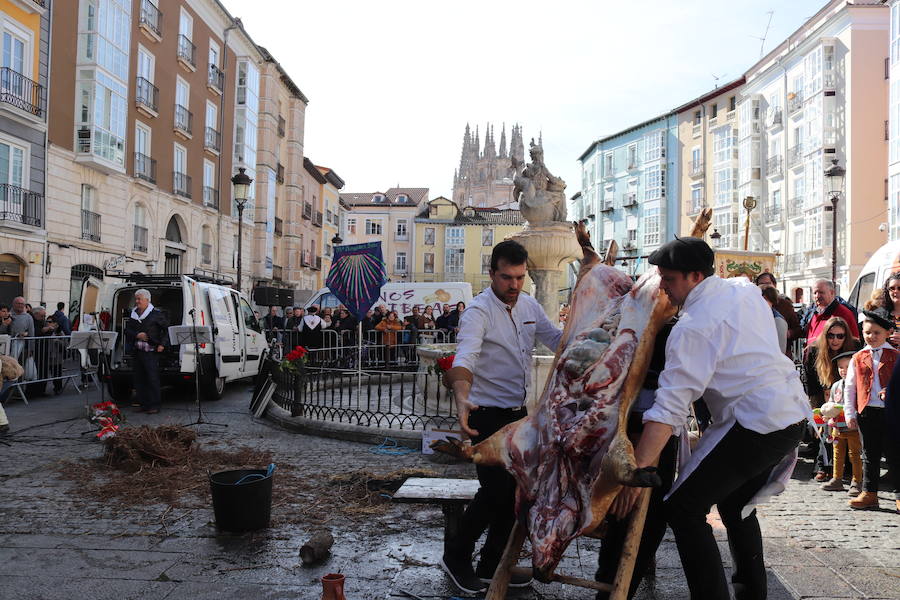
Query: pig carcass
570	456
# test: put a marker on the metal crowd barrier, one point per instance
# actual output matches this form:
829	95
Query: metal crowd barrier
47	359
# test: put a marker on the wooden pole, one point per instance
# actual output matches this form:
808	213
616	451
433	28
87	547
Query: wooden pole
747	231
630	548
500	581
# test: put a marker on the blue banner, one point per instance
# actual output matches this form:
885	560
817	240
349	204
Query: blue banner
356	276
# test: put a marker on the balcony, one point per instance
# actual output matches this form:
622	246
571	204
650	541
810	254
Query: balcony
318	264
146	97
281	125
305	260
90	226
279	174
795	156
150	19
215	79
307	211
795	207
775	118
696	130
212	140
181	184
186	52
794	262
277	272
210	197
795	102
772	214
279	226
775	167
22	93
609	172
696	168
184	121
140	238
144	168
607	206
629	199
318	220
18	205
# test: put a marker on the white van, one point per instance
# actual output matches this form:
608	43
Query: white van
402	297
883	262
238	349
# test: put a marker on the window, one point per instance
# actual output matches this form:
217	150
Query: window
632	156
402	198
608	229
212	115
609	167
13	170
180	156
206	246
88	198
724	186
213	54
456	236
454	259
378	198
351	226
895	33
696	198
142	160
651	226
373	227
209	174
428	265
698	117
724	144
485	264
732	103
487	237
401	229
653	146
713	111
400	263
654	182
429	236
186	25
145	64
894	118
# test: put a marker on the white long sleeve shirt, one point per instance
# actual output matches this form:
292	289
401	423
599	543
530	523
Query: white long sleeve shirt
725	349
850	400
495	344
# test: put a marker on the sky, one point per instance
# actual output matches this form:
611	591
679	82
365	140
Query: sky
392	84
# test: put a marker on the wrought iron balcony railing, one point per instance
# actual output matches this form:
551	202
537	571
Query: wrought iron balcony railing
212	140
18	205
210	197
144	167
186	50
184	119
90	226
181	184
216	78
22	93
150	17
146	94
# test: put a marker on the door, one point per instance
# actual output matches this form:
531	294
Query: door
254	340
227	334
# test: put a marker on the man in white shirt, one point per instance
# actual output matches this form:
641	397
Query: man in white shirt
724	348
490	378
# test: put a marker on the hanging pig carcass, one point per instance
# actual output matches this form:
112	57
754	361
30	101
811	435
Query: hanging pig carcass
570	456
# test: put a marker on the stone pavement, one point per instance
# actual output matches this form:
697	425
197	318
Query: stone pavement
51	548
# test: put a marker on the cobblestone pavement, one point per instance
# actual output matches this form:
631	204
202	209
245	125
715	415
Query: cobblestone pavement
52	548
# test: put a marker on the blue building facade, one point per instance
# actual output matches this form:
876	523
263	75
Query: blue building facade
629	190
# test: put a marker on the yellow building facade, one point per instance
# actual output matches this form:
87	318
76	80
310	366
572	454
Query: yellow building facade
454	244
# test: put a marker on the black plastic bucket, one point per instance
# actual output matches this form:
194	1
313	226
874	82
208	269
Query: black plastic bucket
244	506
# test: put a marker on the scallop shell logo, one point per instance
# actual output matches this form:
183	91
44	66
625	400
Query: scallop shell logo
439	295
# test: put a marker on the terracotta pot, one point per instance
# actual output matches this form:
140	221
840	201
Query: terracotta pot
333	587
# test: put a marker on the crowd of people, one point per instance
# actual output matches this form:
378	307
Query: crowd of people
394	336
848	363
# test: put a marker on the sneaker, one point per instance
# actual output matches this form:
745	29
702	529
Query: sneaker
835	485
865	501
855	489
463	575
516	580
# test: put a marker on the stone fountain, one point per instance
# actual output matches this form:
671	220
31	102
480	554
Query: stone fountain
548	236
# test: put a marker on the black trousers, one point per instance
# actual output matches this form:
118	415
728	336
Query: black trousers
493	507
146	379
729	476
878	440
654	527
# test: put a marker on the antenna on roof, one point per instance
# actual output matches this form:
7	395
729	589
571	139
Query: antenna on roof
718	77
762	40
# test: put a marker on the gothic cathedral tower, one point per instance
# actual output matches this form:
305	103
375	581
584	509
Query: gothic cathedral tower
484	178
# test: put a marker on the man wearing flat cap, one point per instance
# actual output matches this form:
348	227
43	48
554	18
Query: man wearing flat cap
724	348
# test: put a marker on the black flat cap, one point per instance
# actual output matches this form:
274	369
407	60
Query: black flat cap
683	254
847	354
880	316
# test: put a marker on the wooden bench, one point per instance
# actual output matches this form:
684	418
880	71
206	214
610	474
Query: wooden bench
451	494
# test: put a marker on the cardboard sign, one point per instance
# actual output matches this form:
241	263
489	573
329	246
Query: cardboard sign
432	434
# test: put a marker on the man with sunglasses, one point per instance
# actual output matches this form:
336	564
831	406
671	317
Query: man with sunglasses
825	306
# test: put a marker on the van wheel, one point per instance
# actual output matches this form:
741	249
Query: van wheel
212	387
120	389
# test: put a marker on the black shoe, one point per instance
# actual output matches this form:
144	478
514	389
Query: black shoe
516	580
4	430
462	575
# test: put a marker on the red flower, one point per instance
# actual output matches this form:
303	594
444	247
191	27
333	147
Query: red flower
446	363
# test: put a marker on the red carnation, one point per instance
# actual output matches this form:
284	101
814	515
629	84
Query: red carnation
446	363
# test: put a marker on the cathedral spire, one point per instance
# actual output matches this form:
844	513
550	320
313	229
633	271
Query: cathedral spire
489	151
503	141
477	142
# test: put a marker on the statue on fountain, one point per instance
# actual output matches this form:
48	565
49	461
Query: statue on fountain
541	195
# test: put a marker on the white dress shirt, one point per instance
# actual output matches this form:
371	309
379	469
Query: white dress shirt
725	349
875	400
495	344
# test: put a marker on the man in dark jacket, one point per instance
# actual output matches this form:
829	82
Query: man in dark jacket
272	320
61	319
146	333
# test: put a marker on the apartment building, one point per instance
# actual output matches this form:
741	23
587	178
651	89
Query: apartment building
331	205
152	113
820	96
893	66
455	244
24	27
630	189
387	217
707	133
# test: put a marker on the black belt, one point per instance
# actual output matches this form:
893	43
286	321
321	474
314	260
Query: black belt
501	409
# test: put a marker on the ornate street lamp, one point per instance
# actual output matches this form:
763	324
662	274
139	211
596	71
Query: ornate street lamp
716	238
241	184
835	177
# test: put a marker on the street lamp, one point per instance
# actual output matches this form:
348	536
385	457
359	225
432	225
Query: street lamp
716	238
835	176
241	184
336	240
